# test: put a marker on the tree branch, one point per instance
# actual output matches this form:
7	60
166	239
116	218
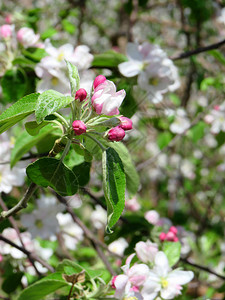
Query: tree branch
198	50
21	204
202	268
28	253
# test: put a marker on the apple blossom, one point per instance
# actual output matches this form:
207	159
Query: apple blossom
163	280
106	100
118	246
98	80
146	251
99	217
6	31
42	221
27	37
79	127
152	216
181	123
133	276
132	204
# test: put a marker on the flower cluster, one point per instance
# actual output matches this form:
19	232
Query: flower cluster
171	235
216	118
156	72
52	68
104	101
151	278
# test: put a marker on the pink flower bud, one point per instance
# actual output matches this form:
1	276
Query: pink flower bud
5	31
116	134
126	123
176	239
27	37
8	19
173	229
113	282
81	94
79	127
216	107
98	80
170	236
162	236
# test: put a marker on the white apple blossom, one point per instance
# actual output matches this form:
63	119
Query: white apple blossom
9	177
152	216
118	246
42	221
99	217
181	123
156	72
52	68
216	118
164	281
11	234
71	232
146	251
27	37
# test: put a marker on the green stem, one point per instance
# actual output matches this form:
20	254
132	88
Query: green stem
62	119
73	109
96	141
66	150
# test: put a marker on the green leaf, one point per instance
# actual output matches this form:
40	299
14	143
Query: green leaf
163	139
132	177
74	78
82	173
11	283
48	33
53	173
108	59
197	131
14	85
172	251
49	102
114	183
18	111
35	54
218	55
33	127
68	26
25	142
40	289
22	61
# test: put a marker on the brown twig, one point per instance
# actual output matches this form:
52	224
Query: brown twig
94	241
206	269
198	50
14	225
28	253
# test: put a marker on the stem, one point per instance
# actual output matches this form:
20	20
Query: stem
66	150
62	119
21	204
69	296
96	141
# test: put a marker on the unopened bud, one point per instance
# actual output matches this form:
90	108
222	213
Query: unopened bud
170	236
5	31
79	127
98	80
126	123
162	236
81	94
173	229
116	134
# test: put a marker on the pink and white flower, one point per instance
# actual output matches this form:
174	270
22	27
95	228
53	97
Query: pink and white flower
146	251
133	278
106	100
27	37
163	280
